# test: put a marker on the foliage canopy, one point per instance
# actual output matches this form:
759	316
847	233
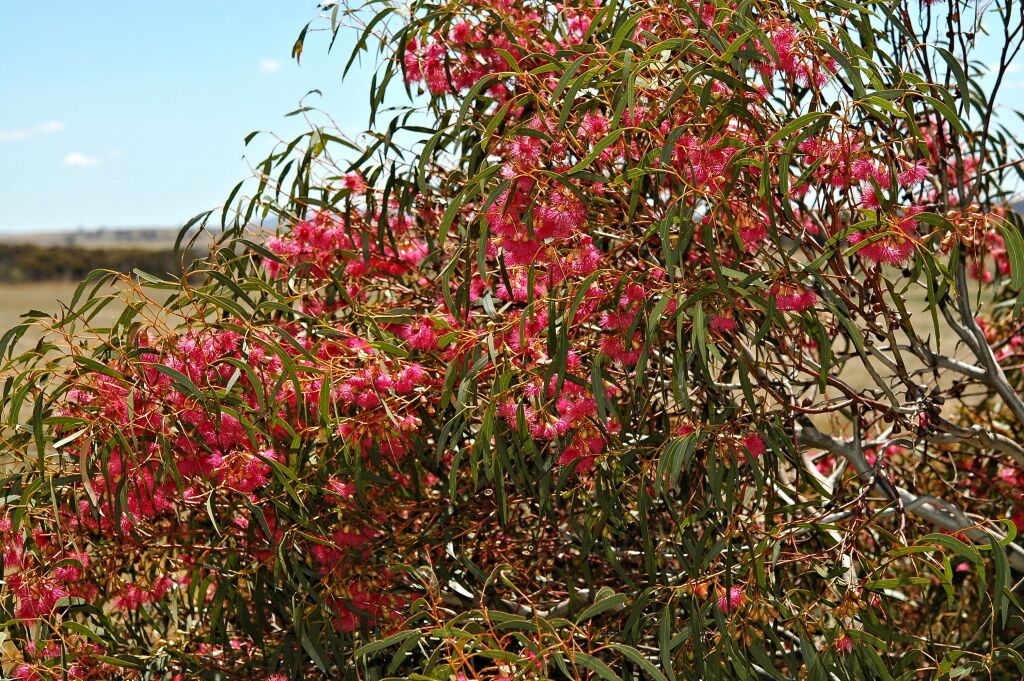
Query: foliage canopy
633	340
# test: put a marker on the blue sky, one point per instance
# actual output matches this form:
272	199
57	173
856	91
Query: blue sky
134	113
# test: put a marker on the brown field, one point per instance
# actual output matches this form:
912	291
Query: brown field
48	297
54	297
17	299
51	298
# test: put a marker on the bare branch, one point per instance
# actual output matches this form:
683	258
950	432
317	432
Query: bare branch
938	512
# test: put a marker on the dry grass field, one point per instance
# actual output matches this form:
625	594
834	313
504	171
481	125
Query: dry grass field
49	297
17	299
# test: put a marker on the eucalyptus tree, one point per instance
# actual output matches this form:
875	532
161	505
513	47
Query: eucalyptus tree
632	340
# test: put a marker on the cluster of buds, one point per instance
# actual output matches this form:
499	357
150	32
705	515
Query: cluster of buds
971	227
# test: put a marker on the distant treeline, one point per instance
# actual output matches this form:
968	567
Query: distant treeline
25	263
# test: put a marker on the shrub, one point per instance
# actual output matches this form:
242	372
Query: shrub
640	343
26	262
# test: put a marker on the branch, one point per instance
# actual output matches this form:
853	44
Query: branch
979	437
984	353
931	358
938	512
810	435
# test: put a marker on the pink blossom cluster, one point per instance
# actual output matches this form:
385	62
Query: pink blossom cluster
169	452
799	58
324	244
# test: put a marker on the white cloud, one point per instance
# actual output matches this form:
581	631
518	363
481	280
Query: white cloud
77	159
28	133
270	66
993	68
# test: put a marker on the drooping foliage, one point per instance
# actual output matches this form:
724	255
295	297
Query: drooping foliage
655	340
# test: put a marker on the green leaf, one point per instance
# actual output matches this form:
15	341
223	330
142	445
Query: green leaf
602	144
1002	581
595	665
799	123
637	658
1015	249
896	582
384	643
953	544
603	605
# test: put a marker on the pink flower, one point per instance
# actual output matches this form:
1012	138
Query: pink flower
561	216
354	182
409	378
895	450
863	169
783	41
869	199
23	672
723	324
130	598
530	655
594	126
914	174
420	334
892	247
732	601
460	33
754	445
795	300
753	236
525	150
844	644
340	490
